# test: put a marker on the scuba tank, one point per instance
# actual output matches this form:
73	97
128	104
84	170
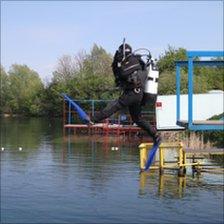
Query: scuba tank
151	85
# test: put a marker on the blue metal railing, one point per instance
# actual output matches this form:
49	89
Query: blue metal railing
190	63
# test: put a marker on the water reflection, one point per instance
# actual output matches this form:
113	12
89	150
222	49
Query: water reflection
103	164
100	159
96	146
171	186
84	179
28	133
168	185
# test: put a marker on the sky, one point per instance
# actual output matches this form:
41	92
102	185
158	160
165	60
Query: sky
38	33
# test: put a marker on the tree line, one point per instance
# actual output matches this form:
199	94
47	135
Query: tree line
89	76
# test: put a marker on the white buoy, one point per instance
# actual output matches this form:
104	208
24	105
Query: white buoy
116	148
20	149
112	148
3	148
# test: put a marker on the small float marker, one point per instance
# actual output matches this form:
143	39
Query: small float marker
114	148
20	149
3	148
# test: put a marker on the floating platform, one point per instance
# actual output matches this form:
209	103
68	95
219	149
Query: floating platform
104	129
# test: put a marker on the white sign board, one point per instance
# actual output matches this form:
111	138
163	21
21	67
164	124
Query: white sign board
204	107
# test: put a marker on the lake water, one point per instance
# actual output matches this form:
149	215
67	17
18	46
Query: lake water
80	179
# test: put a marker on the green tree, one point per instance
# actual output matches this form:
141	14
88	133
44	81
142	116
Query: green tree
205	78
84	76
95	80
166	65
167	61
90	75
216	137
52	99
5	91
68	67
26	88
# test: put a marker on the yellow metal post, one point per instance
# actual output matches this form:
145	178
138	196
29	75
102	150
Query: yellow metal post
161	159
182	163
144	148
180	156
143	179
143	156
182	186
184	160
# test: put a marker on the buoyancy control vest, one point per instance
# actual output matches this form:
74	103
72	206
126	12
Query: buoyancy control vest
126	72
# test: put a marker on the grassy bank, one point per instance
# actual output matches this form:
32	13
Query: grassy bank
196	140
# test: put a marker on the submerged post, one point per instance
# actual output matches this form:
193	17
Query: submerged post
182	161
161	159
143	156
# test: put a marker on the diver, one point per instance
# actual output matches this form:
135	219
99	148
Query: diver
130	75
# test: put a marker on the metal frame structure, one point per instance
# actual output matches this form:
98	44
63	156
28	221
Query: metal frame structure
178	164
183	159
190	63
112	125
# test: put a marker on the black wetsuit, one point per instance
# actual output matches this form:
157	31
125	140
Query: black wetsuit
131	77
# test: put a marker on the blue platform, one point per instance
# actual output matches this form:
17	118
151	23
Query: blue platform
191	124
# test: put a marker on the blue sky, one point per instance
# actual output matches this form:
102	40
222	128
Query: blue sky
38	33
